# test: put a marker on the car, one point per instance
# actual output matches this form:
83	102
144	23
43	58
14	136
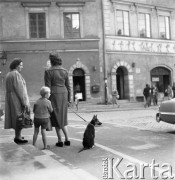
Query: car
166	112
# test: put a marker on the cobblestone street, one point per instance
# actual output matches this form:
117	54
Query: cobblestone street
137	118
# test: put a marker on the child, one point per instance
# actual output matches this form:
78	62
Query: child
115	97
76	100
42	109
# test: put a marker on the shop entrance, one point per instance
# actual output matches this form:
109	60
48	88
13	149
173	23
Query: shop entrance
161	77
79	83
122	82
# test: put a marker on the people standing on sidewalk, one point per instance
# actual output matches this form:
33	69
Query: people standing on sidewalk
16	98
42	110
115	97
169	92
56	78
147	94
173	88
155	95
151	94
1	114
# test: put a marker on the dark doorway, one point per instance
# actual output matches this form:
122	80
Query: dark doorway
79	83
161	77
122	82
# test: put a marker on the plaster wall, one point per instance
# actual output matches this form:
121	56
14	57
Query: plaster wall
133	7
35	53
127	50
13	17
13	21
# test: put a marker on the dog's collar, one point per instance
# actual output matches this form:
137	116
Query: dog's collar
92	124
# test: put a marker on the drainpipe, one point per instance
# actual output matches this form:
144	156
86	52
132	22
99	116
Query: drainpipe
104	55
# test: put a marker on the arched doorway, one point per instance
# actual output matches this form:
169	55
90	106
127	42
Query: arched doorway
79	83
161	77
122	82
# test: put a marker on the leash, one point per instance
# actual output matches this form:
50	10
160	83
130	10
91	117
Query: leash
71	108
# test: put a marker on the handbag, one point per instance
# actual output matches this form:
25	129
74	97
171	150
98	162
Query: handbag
24	120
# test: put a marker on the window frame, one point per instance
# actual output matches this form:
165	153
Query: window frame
37	25
116	28
71	13
144	13
29	10
71	10
169	33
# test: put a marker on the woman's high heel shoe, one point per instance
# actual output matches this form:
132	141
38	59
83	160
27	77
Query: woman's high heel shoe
20	141
67	143
59	144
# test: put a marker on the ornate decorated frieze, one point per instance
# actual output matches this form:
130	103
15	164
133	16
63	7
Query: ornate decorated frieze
120	44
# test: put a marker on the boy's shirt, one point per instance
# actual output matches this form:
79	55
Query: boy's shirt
42	108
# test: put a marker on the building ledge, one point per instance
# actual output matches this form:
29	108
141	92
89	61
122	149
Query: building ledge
35	4
47	40
70	3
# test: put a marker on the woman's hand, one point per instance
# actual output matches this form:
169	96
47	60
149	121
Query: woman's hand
69	103
27	108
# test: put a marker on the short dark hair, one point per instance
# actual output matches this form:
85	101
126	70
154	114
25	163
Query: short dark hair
55	59
15	63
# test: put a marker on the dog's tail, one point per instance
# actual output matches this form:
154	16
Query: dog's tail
82	149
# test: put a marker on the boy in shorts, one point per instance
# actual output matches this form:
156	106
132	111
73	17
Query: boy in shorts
42	109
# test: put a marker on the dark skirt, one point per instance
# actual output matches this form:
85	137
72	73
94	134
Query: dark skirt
60	104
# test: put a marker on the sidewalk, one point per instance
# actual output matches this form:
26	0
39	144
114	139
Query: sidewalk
25	162
94	107
125	106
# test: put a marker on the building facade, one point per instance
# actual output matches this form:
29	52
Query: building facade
104	44
31	29
139	45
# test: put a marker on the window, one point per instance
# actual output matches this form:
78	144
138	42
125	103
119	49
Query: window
144	25
37	25
71	25
122	23
164	27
